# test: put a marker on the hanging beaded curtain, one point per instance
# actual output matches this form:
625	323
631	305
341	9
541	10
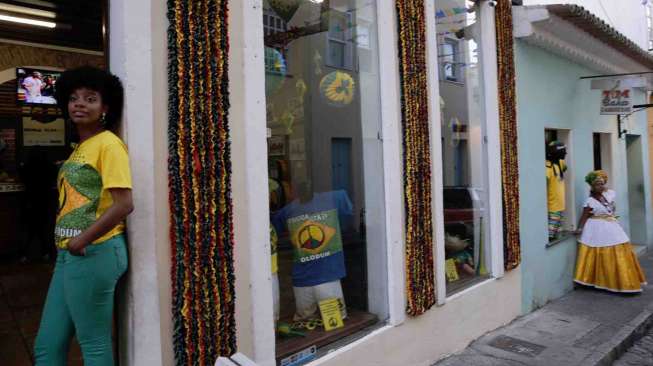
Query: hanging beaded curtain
201	231
420	282
508	126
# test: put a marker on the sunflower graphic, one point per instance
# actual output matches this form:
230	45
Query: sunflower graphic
338	88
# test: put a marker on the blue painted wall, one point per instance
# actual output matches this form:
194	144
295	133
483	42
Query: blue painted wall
551	95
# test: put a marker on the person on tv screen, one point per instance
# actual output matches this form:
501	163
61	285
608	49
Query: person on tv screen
48	86
33	84
39	89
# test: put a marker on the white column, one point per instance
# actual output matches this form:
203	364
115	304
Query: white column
138	55
488	53
247	118
437	169
392	164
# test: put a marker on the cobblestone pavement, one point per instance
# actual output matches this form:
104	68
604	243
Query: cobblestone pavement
640	354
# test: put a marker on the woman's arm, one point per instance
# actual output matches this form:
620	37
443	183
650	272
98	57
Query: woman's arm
587	212
114	215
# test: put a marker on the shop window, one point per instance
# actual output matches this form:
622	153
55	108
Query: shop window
561	215
325	164
464	158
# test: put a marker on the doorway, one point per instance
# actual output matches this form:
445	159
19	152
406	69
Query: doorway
602	151
33	138
636	199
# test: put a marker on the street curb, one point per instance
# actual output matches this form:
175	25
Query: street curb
621	341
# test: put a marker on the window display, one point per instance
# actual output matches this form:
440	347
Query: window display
324	164
464	158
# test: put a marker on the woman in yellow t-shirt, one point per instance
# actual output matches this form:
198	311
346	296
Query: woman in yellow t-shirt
94	200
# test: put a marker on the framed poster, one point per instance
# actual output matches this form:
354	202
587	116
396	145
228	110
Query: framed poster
277	146
44	132
7	150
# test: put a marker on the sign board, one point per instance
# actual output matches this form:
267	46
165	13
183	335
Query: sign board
36	133
616	101
331	315
300	358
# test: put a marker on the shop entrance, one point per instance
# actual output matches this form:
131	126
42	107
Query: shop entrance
39	41
636	201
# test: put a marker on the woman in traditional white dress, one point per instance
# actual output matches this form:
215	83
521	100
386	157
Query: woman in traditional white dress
606	259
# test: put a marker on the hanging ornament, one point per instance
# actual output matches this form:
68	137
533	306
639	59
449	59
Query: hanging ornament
456	131
287	120
300	86
285	8
275	70
317	60
337	88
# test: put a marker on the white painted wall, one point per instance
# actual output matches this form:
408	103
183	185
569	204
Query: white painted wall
422	340
627	16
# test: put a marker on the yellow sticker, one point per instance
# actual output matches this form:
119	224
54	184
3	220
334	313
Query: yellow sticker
450	270
331	315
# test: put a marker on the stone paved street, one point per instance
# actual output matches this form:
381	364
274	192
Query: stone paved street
640	354
586	327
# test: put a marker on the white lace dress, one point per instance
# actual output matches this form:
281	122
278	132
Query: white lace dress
602	229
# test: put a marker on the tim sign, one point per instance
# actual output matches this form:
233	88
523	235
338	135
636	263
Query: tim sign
616	101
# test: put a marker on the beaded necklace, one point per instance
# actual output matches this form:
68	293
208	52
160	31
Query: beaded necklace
604	202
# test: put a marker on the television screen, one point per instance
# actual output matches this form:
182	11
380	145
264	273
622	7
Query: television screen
36	86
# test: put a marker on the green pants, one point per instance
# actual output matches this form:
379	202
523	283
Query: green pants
80	303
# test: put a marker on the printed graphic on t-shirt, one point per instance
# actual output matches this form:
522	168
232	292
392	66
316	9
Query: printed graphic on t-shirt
80	186
95	166
315	236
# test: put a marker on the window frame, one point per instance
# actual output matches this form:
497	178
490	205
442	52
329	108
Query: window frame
347	43
254	316
490	110
455	63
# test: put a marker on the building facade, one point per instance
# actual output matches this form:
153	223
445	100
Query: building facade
315	100
557	47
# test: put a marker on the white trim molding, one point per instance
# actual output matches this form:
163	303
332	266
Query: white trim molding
392	163
492	136
537	26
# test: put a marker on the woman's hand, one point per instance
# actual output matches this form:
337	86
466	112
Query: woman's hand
578	231
77	246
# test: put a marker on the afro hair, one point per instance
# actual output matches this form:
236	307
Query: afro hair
106	84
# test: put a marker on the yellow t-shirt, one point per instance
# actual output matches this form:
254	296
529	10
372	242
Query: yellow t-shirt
97	164
555	186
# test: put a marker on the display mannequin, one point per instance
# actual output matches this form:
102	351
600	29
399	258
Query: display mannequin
314	223
555	186
274	239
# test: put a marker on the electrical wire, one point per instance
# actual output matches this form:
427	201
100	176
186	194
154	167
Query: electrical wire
606	13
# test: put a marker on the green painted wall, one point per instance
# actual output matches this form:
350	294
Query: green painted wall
551	95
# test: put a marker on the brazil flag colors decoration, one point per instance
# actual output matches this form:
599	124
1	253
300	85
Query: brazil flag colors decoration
420	282
315	236
508	135
201	223
79	193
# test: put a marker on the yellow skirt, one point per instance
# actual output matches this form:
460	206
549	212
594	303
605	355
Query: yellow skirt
614	268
